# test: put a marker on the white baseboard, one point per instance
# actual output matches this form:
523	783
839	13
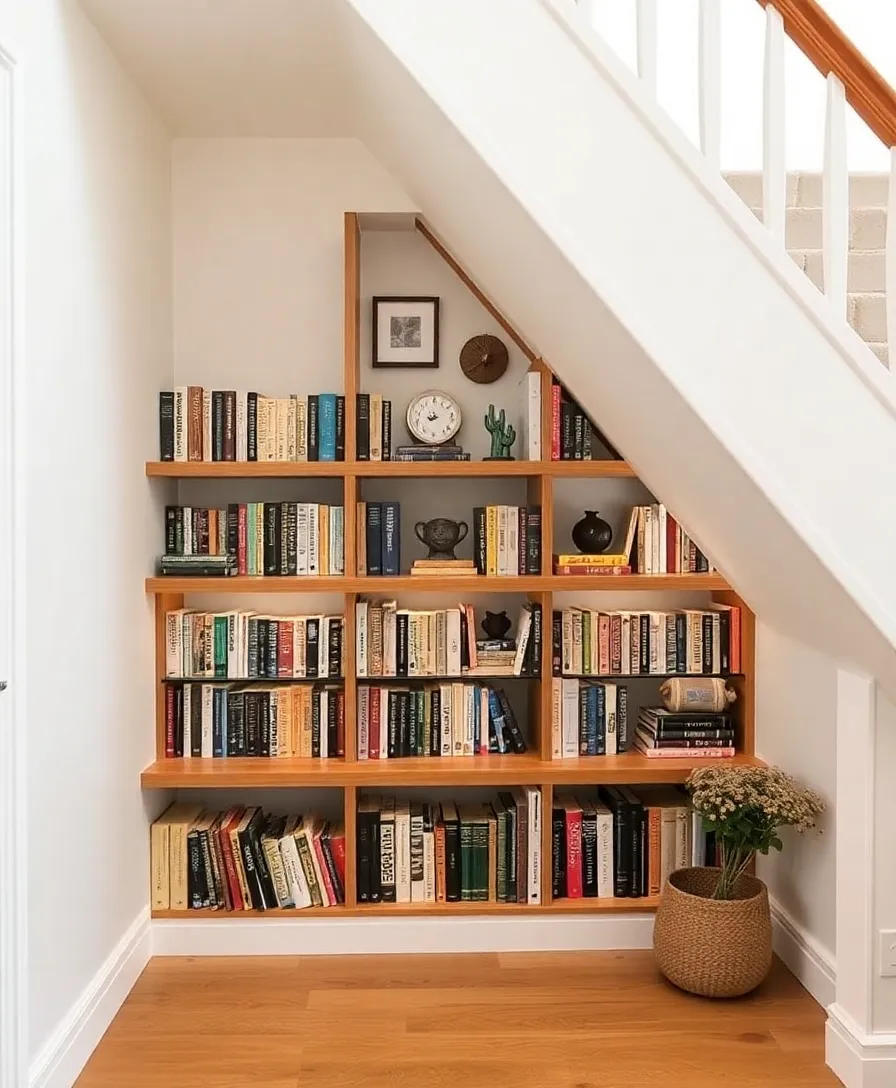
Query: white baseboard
350	936
859	1059
66	1052
804	957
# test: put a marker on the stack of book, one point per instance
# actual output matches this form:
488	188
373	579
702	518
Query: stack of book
406	642
447	452
661	546
588	719
625	844
573	435
374	427
198	566
242	645
411	852
379	538
436	720
242	859
507	540
663	733
495	657
257	538
688	641
579	565
214	721
443	568
197	424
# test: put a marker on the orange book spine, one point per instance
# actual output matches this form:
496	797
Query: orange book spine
734	630
654	850
440	862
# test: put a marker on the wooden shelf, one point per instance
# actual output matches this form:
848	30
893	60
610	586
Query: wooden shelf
409	910
216	470
508	770
389	587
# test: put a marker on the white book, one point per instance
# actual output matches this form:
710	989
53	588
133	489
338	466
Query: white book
302	519
337	562
682	837
524	629
698	839
469	717
418	871
556	718
626	665
206	425
716	642
323	647
402	852
188	530
383	696
180	423
376	427
657	643
281	432
533	416
188	719
361	637
387	844
207	720
453	648
457	719
233	649
241	431
567	641
308	831
610	719
570	718
292	867
661	540
313	539
429	867
604	851
364	722
513	540
174	642
299	645
301	428
291	428
274	716
445	716
534	842
390	634
502	541
324	731
484	731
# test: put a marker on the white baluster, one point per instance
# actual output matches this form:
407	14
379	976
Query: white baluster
710	61
774	162
835	197
891	253
647	43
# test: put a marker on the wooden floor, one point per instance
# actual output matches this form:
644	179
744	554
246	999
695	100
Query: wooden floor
545	1020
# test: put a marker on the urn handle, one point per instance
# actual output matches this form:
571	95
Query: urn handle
463	529
418	532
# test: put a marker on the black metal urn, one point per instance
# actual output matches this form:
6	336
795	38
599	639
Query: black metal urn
592	535
441	536
496	625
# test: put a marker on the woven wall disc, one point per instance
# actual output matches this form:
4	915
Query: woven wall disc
483	359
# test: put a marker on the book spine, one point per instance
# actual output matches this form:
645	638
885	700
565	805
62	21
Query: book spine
555	422
166	426
387	430
340	428
326	427
391	558
374	536
313	428
479	539
251	426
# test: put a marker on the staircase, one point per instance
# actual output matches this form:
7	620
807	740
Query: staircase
866	273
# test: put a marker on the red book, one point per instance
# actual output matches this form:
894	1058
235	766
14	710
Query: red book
231	818
471	635
671	535
573	849
284	648
337	849
615	643
241	539
373	725
340	723
603	644
329	893
170	711
555	422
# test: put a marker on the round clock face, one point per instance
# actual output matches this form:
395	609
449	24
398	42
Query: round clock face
434	417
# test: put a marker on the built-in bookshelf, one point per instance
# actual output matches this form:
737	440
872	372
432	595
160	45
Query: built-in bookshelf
352	778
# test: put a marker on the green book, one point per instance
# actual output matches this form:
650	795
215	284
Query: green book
480	850
422	724
501	849
251	516
467	856
584	619
220	645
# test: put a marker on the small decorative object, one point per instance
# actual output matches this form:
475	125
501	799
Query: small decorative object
405	331
496	625
700	695
483	359
713	934
441	536
591	534
434	417
503	435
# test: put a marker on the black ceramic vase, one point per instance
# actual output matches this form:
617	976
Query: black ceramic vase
496	625
592	535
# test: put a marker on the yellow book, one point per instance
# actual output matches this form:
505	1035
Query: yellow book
491	541
591	560
323	539
181	817
361	538
158	852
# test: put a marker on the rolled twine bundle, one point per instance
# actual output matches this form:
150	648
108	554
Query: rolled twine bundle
688	693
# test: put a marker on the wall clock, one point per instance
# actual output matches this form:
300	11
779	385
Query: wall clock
434	417
483	359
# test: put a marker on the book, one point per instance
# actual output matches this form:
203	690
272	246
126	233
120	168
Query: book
573	434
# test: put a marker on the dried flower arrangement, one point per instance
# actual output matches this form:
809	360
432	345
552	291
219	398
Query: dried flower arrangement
745	807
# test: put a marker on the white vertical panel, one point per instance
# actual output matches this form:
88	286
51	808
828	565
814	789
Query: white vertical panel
647	43
835	197
710	81
891	253
774	161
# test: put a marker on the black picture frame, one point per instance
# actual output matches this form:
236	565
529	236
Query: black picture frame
413	318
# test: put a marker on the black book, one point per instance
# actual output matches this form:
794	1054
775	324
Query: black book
166	426
644	848
313	428
452	853
292	537
644	620
623	733
578	434
265	880
312	640
681	642
335	650
340	428
392	749
374	531
177	696
725	640
217	425
327	850
252	724
435	716
332	718
272	648
707	643
254	658
211	896
244	837
532	659
636	818
200	531
171	530
558	853
587	442
702	563
589	851
196	889
387	430
533	540
567	441
512	729
262	632
252	427
196	720
236	723
511	854
229	425
178	530
413	725
464	641
315	723
556	643
363	831
622	843
271	538
376	858
401	644
233	529
671	648
479	539
264	724
363	426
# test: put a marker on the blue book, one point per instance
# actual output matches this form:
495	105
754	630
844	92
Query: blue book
391	538
497	717
326	424
374	538
219	722
477	724
600	715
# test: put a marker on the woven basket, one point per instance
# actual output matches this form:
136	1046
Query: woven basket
713	947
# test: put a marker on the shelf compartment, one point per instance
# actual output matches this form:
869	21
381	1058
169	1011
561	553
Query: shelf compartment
588	470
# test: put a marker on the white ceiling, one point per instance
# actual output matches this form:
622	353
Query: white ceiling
233	67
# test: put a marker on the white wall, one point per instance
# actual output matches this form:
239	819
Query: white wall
884	989
796	707
97	349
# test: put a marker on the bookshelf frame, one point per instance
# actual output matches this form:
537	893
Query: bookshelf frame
351	775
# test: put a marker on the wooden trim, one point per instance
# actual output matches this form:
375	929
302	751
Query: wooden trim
745	682
297	470
474	288
831	51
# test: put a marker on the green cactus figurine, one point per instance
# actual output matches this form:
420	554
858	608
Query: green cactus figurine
503	435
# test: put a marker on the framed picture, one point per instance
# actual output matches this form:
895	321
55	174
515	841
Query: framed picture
405	331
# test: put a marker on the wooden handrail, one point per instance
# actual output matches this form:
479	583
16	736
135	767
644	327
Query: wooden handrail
829	49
